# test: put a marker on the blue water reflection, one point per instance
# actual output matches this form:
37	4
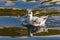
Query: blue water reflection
13	21
9	21
27	5
36	38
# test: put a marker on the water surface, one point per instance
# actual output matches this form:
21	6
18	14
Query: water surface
36	38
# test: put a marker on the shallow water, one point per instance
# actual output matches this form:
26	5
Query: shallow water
13	21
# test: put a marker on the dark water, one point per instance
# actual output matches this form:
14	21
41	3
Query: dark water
37	38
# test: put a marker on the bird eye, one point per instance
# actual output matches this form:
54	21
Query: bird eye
44	18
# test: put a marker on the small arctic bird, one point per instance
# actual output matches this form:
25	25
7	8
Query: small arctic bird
33	23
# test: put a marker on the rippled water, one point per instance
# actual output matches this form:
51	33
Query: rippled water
28	5
9	21
15	22
53	22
